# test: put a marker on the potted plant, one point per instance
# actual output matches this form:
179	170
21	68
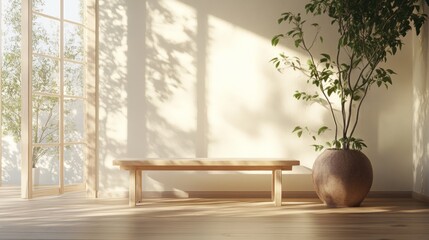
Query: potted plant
369	32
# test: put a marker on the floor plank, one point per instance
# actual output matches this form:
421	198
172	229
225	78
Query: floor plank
72	216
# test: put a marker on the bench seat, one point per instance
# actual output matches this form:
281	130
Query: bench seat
136	165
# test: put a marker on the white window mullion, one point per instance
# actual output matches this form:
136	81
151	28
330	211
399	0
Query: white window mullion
58	58
61	100
1	120
26	96
74	97
46	144
44	15
75	143
75	23
46	56
42	94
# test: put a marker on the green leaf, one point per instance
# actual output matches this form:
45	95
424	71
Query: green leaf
317	147
297	95
327	56
274	59
330	91
298	131
297	128
337	144
290	32
390	71
379	83
297	42
276	39
356	98
322	130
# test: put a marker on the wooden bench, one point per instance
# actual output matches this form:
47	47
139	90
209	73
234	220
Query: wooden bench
136	166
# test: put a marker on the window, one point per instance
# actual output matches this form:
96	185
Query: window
59	99
57	65
10	66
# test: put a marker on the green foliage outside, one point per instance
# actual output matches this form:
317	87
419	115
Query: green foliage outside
45	77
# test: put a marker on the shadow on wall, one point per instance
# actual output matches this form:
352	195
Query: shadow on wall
173	83
170	80
112	86
152	88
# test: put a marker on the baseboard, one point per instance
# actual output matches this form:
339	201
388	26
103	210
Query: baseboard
389	194
420	197
244	194
228	194
209	194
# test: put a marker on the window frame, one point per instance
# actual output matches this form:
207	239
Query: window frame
90	98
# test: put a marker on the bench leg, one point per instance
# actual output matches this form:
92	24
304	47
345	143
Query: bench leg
276	190
135	191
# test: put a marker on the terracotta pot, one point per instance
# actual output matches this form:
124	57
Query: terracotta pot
342	178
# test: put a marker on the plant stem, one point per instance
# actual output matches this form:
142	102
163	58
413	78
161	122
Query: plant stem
341	82
352	95
340	79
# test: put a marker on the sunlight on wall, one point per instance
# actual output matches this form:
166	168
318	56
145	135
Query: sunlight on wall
251	110
420	140
421	113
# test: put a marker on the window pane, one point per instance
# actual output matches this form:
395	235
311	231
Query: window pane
11	161
73	42
74	118
73	164
45	120
48	7
45	75
73	10
10	45
45	166
46	36
74	79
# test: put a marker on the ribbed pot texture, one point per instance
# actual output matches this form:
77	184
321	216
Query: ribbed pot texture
342	178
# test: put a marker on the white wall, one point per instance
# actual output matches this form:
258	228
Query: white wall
191	78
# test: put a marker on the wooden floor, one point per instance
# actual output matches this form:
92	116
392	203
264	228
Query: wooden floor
71	216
